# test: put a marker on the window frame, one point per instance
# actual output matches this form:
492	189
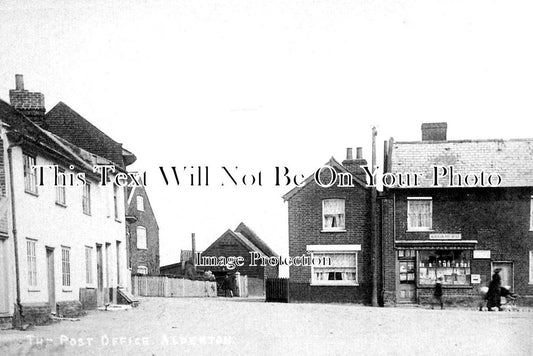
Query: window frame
31	260
409	220
530	267
89	277
29	173
141	228
61	188
531	214
333	229
66	276
330	250
116	206
86	198
138	199
143	268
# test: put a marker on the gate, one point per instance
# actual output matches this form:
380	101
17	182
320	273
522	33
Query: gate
277	290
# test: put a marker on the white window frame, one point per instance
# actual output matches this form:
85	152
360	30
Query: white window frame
86	198
30	175
89	278
116	205
333	229
530	267
409	221
145	245
66	279
144	270
61	191
332	249
140	203
531	214
31	257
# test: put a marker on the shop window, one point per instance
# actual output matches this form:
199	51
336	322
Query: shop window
333	215
419	214
340	268
452	266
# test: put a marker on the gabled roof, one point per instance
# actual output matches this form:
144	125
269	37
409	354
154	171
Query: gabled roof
20	127
131	206
332	163
249	239
512	159
68	124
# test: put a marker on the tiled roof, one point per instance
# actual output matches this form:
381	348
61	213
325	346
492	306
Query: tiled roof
255	240
68	124
511	159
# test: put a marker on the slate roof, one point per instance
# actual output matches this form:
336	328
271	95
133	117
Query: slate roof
68	124
512	159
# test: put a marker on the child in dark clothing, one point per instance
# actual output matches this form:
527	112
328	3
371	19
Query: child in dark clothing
437	293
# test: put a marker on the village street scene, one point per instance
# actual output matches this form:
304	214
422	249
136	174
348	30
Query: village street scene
262	178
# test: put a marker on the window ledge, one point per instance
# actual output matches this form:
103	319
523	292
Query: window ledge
142	248
86	213
61	204
67	289
343	230
30	289
420	230
335	285
35	194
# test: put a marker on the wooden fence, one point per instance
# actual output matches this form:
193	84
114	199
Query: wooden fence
277	290
161	286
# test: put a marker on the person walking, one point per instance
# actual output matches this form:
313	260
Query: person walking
494	292
437	293
226	287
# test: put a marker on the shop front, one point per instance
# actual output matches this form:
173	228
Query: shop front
420	264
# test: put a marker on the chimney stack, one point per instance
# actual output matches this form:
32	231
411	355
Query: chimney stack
31	104
434	131
354	165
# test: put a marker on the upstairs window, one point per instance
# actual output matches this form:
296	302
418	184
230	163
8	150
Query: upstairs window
140	203
30	176
141	238
419	214
115	202
61	198
86	199
142	270
333	215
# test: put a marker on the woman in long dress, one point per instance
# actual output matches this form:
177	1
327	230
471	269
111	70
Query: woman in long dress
494	293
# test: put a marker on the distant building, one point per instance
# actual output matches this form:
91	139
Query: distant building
61	248
143	233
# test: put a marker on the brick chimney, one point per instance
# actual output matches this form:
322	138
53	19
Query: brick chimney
29	103
354	165
434	131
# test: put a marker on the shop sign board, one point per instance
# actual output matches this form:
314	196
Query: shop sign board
445	236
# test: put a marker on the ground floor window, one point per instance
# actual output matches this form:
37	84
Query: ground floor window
451	266
142	270
342	268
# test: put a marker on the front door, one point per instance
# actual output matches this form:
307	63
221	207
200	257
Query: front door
51	278
99	276
4	294
406	276
506	273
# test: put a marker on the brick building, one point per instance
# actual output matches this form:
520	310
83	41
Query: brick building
332	222
61	247
142	231
457	233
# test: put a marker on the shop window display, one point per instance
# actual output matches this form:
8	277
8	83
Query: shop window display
452	266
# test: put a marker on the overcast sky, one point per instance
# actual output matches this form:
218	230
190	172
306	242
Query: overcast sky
258	84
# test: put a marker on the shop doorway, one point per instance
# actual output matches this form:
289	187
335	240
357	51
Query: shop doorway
406	276
506	273
51	279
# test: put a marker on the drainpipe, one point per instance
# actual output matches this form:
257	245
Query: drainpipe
14	222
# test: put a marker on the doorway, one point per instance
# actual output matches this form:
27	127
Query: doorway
51	279
4	290
506	273
99	276
406	276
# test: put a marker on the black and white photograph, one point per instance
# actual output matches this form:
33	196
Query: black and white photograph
266	177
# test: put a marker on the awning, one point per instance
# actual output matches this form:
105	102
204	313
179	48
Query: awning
435	244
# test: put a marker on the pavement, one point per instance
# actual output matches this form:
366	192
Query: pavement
207	326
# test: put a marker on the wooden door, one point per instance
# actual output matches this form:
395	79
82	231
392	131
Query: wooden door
99	276
406	276
4	290
51	278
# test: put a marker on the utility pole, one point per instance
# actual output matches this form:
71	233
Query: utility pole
374	220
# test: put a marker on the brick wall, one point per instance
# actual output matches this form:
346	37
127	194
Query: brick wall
305	228
69	309
498	218
32	313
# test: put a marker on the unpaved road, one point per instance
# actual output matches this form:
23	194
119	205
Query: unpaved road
196	326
